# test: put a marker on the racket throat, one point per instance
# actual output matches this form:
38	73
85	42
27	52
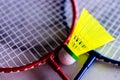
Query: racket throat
56	67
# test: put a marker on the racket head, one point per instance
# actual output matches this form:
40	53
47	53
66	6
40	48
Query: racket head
24	32
107	13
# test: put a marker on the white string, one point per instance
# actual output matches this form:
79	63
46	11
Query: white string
43	39
28	36
13	51
113	44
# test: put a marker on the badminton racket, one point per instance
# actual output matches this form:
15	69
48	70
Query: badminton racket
33	31
107	12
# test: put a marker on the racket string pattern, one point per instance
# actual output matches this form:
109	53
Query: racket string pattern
26	27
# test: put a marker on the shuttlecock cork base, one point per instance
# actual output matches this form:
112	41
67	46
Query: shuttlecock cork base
65	58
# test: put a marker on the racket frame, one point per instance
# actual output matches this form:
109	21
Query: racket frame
49	58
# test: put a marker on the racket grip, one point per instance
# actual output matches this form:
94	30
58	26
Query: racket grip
85	67
57	68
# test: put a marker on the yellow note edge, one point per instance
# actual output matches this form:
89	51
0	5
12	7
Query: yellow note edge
88	35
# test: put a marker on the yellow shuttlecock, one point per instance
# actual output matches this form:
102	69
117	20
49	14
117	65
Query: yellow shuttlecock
88	35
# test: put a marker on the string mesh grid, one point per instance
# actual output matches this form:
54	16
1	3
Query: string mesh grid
30	29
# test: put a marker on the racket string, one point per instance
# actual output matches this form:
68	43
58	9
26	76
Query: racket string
51	30
10	58
19	49
111	29
26	41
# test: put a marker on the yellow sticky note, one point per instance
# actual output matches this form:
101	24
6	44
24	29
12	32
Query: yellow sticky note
88	34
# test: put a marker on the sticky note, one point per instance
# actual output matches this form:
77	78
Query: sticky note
88	34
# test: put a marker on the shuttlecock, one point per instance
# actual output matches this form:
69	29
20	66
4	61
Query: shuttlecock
88	35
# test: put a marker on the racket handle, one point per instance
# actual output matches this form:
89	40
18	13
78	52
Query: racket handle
57	68
85	67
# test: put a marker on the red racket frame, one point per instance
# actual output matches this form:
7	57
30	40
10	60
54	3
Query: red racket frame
50	57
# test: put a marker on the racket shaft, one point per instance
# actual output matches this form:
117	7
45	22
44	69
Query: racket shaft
57	68
85	67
